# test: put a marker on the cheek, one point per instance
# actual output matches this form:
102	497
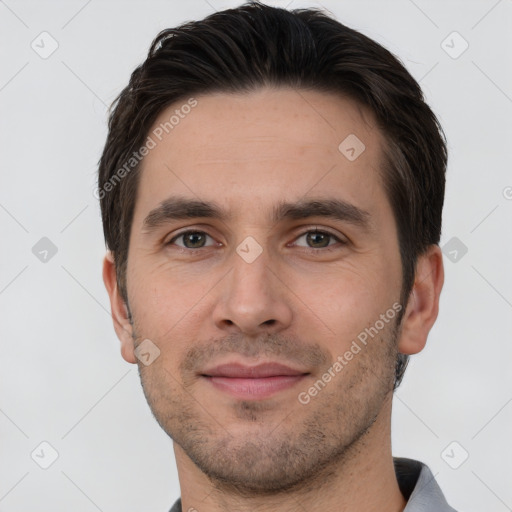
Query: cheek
164	298
346	300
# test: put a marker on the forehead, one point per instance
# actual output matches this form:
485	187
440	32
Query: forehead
269	144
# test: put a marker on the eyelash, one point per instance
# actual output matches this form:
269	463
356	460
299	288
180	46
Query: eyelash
328	248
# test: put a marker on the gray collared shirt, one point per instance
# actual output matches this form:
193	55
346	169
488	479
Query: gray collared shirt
417	484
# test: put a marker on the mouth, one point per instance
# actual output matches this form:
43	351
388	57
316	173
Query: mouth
253	382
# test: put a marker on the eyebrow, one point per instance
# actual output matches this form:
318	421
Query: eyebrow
179	208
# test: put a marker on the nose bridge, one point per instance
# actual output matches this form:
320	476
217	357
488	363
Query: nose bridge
251	272
252	297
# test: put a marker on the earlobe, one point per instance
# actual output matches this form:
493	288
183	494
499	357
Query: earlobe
423	304
119	309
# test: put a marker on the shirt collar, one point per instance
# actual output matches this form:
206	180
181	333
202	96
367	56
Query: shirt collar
419	487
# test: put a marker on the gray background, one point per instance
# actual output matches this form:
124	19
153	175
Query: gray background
62	379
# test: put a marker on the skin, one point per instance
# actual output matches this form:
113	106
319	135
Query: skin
297	303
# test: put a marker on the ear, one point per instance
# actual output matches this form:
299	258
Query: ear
423	304
119	309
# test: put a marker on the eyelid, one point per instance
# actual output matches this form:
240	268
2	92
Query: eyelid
340	239
186	231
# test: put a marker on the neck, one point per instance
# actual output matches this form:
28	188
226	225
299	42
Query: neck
363	479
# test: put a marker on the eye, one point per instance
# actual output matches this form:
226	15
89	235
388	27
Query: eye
316	239
191	239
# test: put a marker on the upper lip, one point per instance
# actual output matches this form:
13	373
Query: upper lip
237	370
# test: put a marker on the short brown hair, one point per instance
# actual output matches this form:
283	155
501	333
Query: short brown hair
255	45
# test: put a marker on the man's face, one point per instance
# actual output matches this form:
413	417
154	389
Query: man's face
260	286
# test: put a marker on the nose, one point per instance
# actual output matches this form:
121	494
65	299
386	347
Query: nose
252	298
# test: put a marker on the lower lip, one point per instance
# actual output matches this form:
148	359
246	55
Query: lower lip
254	389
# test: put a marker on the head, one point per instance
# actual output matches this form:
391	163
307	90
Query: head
227	154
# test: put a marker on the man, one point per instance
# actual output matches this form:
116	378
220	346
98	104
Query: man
271	191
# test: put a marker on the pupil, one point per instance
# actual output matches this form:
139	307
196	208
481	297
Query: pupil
318	237
195	240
